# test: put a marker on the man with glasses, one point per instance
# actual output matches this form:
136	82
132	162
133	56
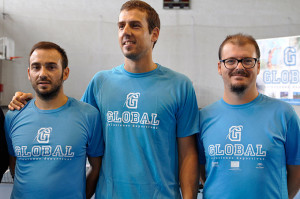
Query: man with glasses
249	143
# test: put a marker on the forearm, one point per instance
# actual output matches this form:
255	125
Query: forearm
12	165
188	167
202	174
293	186
3	147
292	190
4	160
92	175
91	183
293	180
189	177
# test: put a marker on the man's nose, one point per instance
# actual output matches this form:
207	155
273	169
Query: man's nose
43	72
240	65
127	29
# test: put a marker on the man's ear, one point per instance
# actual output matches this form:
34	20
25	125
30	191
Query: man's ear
155	34
219	68
66	73
28	73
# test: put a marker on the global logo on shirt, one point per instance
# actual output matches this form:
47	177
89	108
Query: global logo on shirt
131	118
44	149
43	135
132	100
237	148
235	133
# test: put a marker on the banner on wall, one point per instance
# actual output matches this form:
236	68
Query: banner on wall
280	68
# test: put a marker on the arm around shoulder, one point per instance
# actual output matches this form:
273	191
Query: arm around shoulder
19	100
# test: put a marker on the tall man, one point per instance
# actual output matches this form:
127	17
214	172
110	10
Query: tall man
251	143
149	115
49	139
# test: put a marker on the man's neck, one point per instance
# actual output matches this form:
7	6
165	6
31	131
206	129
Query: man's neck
238	99
58	101
139	66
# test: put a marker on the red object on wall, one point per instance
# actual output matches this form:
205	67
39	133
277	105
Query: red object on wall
1	88
12	58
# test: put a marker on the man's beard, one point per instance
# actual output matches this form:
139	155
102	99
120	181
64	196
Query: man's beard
49	95
239	89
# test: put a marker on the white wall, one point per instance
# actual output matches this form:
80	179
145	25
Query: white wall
188	43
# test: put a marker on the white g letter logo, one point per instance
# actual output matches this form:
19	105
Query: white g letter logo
43	135
235	133
132	100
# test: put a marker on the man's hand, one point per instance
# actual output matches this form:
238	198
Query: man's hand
19	100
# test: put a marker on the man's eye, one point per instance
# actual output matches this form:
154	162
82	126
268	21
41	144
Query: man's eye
248	61
136	25
230	61
51	66
34	67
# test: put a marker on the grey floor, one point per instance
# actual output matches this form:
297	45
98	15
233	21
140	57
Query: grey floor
6	186
5	190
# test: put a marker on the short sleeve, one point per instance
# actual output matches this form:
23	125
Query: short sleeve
187	116
292	145
95	146
89	94
201	150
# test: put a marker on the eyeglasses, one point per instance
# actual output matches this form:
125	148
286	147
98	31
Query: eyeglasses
232	63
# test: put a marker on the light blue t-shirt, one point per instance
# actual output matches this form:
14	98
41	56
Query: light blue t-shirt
51	147
142	116
247	147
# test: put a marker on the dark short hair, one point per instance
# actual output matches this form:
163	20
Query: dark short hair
240	40
152	16
50	45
